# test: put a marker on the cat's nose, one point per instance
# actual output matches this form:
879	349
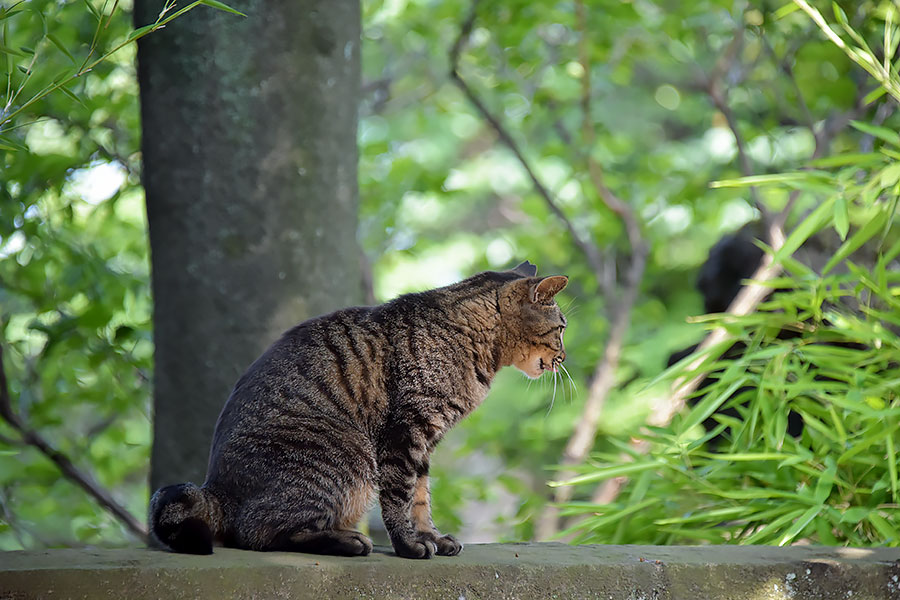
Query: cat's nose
562	356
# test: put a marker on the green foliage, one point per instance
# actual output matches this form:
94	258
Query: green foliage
824	347
74	268
834	484
75	278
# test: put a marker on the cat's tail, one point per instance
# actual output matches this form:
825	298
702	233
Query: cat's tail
185	517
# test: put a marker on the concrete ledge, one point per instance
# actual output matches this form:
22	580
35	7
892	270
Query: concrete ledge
482	571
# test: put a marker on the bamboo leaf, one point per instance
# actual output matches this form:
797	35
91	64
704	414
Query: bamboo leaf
839	13
72	95
841	160
855	514
786	10
11	144
7	13
786	178
883	133
708	406
141	32
771	529
799	525
7	50
609	472
825	482
61	46
862	235
221	6
92	9
888	532
892	463
874	95
805	230
841	217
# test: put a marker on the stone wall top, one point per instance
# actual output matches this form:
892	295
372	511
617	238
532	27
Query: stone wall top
481	571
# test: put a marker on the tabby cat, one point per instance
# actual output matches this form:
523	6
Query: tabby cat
356	401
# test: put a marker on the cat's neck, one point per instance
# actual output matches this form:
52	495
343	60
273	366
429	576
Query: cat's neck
478	317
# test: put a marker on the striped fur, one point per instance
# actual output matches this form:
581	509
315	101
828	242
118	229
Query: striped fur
353	402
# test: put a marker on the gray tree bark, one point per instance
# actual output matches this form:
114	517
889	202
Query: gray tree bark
250	161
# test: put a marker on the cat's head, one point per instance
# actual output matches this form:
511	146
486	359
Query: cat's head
534	322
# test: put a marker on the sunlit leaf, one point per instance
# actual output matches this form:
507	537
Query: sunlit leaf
883	133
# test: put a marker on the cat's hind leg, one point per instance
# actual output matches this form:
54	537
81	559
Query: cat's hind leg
292	527
330	541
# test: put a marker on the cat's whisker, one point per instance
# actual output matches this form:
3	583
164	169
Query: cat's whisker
572	386
553	397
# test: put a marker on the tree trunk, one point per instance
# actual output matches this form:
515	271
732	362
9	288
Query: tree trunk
250	160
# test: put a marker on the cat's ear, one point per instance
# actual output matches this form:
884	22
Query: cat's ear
525	269
544	290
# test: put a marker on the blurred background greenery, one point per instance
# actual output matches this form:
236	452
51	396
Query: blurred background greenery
680	95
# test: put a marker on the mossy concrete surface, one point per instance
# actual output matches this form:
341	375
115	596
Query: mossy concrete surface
492	571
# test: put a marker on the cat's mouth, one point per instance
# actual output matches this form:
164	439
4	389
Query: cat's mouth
552	366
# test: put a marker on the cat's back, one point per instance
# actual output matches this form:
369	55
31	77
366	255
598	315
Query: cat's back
327	367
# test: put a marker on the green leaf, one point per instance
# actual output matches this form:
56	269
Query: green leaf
892	463
862	235
874	95
609	472
746	456
786	178
805	230
786	10
61	46
9	12
11	144
221	6
7	50
708	406
841	160
887	531
890	175
772	528
825	482
839	13
841	217
72	95
855	514
92	10
883	133
799	525
141	31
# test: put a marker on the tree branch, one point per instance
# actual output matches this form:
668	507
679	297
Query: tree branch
590	251
719	98
84	480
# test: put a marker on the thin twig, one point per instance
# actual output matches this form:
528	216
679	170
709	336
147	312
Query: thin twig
84	480
589	250
719	98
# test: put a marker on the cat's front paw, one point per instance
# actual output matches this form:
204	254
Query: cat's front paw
447	545
414	546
